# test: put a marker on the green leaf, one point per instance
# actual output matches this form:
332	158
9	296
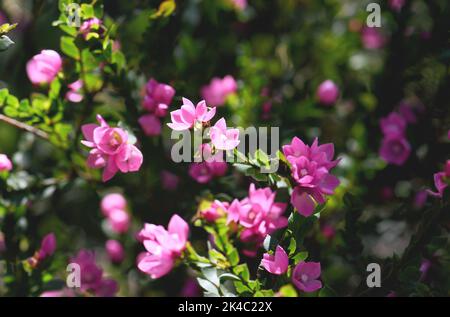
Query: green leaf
262	157
3	94
210	273
5	43
55	88
301	256
292	248
166	8
242	271
69	48
89	61
87	11
233	256
288	291
208	286
229	276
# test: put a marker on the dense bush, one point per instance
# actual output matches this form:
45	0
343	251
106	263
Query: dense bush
87	174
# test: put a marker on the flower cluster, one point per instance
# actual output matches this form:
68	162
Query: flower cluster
218	90
258	214
91	275
156	102
114	208
310	169
304	276
110	149
395	148
222	138
163	246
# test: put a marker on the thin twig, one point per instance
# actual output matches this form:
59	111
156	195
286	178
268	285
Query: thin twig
24	126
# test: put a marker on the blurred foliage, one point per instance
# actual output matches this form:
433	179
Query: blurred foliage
286	47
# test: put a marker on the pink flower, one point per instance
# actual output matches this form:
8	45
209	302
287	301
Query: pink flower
218	90
396	5
258	213
321	154
163	246
310	166
204	172
305	276
48	246
92	276
372	38
239	4
393	125
111	202
214	211
44	67
395	150
276	263
74	94
158	97
89	26
110	149
169	180
119	220
188	115
5	163
150	124
115	251
223	138
440	184
327	92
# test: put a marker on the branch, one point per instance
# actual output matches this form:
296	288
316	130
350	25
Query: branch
24	126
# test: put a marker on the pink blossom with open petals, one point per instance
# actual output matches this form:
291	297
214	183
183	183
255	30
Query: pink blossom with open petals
215	210
158	97
91	274
395	150
163	246
5	163
440	183
223	138
258	214
305	276
189	115
310	169
44	67
277	263
110	149
218	90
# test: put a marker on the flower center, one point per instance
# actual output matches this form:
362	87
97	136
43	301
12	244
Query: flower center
304	277
303	172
